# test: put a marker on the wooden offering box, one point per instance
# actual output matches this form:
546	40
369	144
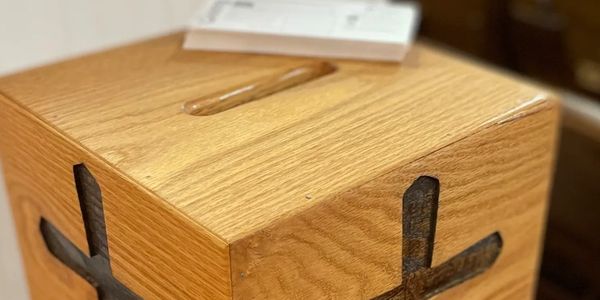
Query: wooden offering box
156	173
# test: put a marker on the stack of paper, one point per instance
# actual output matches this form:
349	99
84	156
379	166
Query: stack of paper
358	29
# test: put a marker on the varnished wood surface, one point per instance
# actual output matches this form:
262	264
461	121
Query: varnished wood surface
420	280
154	250
257	89
94	267
240	170
350	247
296	195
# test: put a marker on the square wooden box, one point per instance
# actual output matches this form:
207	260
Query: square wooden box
296	195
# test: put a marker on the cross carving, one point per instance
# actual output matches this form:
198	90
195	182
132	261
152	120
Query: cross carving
419	279
94	268
419	215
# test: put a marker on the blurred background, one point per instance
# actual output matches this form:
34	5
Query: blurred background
555	42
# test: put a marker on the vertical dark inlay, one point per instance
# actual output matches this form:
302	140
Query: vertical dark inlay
419	216
419	208
94	268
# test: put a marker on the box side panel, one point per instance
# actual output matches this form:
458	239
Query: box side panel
32	194
349	247
154	250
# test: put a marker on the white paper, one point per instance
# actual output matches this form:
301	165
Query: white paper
368	21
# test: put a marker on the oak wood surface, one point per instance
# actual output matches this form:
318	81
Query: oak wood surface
350	247
242	169
232	97
172	256
296	195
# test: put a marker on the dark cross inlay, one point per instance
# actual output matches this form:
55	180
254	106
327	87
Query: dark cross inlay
95	268
419	279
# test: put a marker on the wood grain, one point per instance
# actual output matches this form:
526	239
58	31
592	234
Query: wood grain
94	268
350	246
419	280
225	171
295	196
144	234
255	90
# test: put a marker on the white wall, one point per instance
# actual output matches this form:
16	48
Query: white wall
12	277
34	32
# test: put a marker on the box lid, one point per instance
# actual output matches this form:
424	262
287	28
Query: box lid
239	170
